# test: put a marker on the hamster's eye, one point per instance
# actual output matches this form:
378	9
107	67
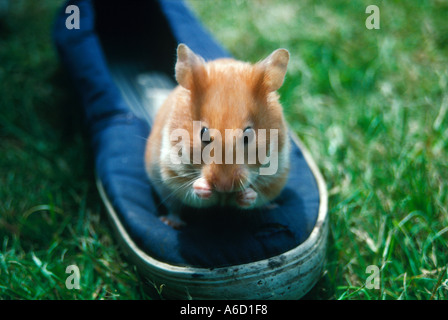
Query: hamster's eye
205	135
248	135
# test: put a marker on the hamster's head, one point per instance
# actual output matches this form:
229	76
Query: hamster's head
235	122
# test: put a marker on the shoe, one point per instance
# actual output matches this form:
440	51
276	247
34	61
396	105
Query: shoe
121	60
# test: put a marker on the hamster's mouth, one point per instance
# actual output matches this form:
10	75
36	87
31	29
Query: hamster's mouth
236	189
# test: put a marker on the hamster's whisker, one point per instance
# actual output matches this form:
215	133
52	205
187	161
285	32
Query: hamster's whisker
259	193
182	176
182	187
189	184
140	137
167	180
240	181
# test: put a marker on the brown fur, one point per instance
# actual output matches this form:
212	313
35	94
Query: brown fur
222	94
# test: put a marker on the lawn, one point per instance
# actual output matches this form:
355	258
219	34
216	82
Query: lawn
371	105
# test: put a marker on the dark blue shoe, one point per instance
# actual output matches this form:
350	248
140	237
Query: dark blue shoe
122	62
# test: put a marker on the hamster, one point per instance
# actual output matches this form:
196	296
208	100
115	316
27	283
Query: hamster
220	137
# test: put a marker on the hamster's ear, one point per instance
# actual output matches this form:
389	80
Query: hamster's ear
275	69
189	67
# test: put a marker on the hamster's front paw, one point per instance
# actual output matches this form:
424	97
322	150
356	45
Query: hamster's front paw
246	198
202	188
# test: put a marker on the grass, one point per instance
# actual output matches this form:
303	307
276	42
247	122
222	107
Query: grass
371	105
